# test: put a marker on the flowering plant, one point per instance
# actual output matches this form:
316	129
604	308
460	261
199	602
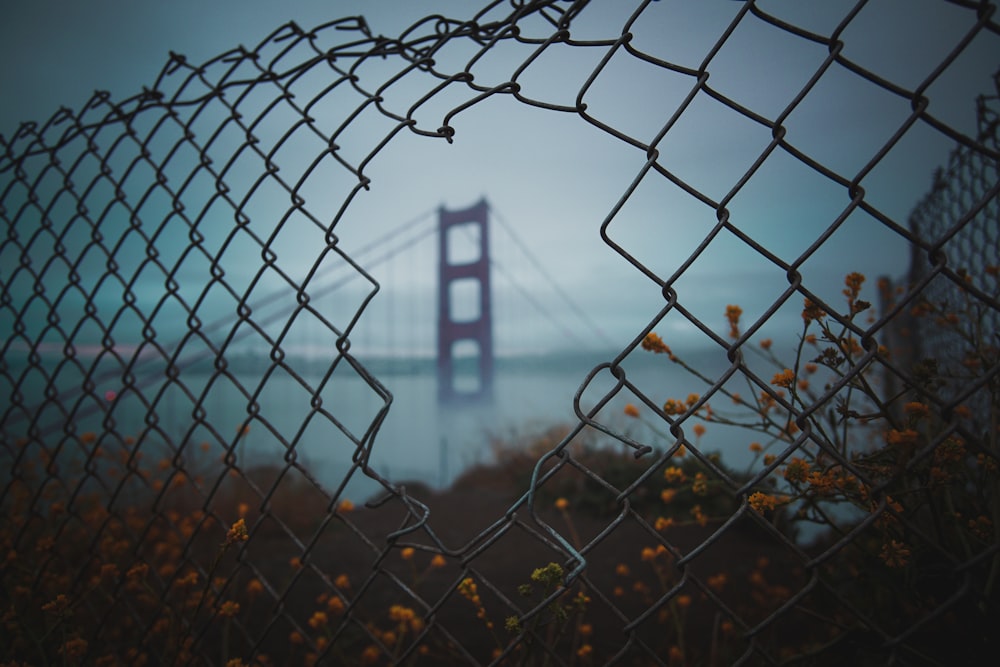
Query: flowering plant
889	457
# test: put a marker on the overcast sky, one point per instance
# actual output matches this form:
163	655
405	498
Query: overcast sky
554	178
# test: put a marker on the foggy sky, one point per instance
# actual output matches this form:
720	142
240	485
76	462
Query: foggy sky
555	178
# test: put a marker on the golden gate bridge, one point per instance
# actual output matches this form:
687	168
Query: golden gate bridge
464	313
457	246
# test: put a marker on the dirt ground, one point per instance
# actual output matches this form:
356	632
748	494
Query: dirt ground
642	607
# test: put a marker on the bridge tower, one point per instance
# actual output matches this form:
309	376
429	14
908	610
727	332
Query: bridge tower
465	319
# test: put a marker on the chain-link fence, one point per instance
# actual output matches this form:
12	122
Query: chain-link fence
859	524
958	216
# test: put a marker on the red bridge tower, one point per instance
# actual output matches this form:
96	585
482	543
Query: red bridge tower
465	324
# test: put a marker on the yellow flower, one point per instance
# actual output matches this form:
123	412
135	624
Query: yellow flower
345	506
317	620
237	533
673	474
335	605
674	407
951	450
904	437
700	485
667	495
254	587
762	502
683	601
796	470
438	561
699	430
895	554
853	281
653	343
784	379
648	553
189	579
584	651
561	504
137	572
74	649
663	523
631	410
407	553
811	311
229	608
342	582
699	515
58	605
467	588
512	624
398	612
986	463
548	575
622	570
733	315
765	344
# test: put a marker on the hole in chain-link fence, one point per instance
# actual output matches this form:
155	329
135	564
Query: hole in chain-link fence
789	453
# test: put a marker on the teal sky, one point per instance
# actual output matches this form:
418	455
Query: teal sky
555	178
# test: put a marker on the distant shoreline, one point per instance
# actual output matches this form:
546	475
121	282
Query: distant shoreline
245	361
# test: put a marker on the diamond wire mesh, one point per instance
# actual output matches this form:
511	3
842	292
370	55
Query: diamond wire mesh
111	505
958	216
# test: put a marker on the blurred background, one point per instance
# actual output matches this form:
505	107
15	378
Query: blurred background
555	179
